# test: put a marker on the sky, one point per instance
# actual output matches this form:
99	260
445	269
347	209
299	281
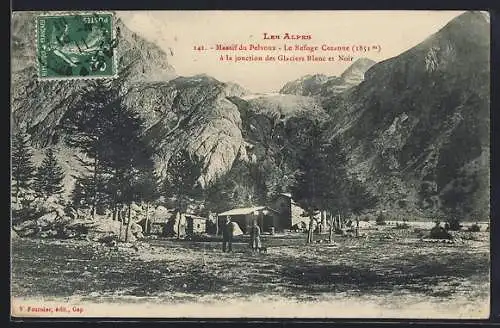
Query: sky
178	32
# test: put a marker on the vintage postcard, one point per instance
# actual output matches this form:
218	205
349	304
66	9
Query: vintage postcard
250	164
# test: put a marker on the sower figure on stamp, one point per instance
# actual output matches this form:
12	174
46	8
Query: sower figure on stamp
255	243
227	235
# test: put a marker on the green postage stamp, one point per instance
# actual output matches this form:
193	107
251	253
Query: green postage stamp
76	45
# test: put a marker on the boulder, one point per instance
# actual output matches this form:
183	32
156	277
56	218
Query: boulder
29	232
136	208
28	224
72	213
52	233
161	212
438	232
131	237
135	228
48	219
13	234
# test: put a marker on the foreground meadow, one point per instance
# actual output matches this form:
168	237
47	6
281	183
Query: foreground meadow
389	273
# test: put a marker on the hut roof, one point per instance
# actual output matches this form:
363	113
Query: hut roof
245	210
195	216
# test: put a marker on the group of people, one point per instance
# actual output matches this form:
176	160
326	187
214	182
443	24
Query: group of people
228	234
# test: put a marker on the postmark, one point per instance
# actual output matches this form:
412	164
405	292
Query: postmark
76	45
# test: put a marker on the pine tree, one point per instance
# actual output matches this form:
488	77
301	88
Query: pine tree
219	197
181	181
83	192
22	164
126	157
323	182
49	176
308	189
148	191
87	129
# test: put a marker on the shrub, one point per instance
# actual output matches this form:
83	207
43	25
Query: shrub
419	232
438	232
365	219
470	236
381	219
403	225
474	228
23	214
452	225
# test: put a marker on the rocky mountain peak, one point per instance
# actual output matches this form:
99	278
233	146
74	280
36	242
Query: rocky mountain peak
324	86
420	119
355	73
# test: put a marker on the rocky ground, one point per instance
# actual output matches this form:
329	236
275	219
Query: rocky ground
389	270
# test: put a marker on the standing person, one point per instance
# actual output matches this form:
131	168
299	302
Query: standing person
255	243
227	235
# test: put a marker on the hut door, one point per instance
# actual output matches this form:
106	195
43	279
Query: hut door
190	226
267	223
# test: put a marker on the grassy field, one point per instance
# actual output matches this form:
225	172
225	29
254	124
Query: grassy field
391	270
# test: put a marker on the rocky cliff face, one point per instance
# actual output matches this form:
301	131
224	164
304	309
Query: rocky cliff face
326	86
178	112
38	106
417	128
191	113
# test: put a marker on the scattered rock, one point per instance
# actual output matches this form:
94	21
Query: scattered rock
109	240
437	241
13	234
47	219
25	225
135	228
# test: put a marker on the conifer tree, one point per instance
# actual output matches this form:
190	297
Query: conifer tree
181	181
323	183
310	180
22	164
49	176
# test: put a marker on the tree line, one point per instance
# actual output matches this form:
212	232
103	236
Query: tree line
43	181
119	170
117	162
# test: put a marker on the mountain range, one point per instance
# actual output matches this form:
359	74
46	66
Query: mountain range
415	126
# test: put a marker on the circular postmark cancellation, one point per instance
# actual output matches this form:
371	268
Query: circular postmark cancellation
76	45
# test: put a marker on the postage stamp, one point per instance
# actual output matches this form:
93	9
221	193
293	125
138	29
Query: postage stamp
76	45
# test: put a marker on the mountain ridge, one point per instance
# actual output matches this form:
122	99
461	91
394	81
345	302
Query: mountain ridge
322	85
406	125
414	126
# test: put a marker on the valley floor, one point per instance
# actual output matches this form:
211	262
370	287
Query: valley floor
354	277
